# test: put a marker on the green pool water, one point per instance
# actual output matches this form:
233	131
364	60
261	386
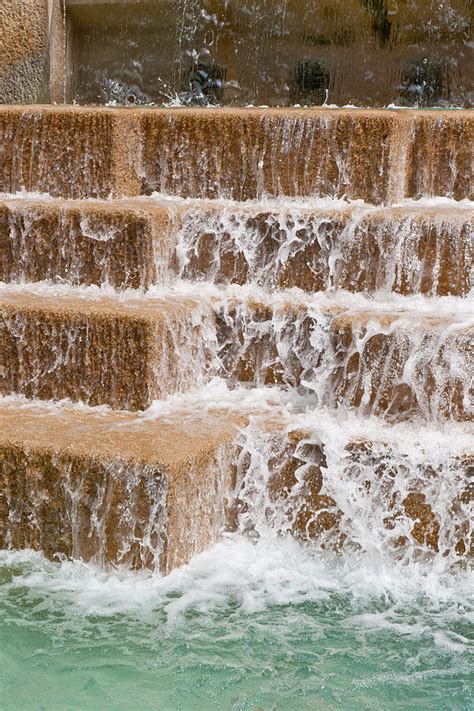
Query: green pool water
245	626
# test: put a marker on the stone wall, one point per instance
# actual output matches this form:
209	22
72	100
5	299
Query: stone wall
24	64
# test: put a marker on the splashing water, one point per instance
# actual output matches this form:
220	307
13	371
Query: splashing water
244	626
263	621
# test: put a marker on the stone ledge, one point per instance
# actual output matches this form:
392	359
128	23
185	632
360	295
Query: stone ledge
101	350
126	352
134	243
114	488
379	156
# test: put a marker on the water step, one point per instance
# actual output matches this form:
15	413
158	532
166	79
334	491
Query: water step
353	483
138	243
102	350
112	487
125	244
152	490
391	359
409	250
377	156
125	352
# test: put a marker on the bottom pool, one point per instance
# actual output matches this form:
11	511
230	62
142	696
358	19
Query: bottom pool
244	626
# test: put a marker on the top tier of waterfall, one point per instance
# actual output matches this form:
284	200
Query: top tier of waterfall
275	52
380	157
371	53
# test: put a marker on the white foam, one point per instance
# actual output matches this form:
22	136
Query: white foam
211	294
264	204
252	577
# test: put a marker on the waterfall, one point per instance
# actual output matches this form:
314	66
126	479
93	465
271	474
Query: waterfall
257	320
237	154
236	354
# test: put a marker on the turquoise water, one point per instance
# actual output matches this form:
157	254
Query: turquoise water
245	626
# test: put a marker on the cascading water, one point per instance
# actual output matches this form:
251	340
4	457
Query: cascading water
237	376
375	492
411	250
272	52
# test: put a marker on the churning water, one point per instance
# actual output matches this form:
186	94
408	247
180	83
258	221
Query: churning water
247	625
260	621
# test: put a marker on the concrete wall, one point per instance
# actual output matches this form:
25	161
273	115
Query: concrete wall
24	51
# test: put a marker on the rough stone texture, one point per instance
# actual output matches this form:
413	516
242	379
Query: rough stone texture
87	488
114	488
101	351
409	505
126	353
74	152
24	51
397	365
151	492
245	154
61	151
421	251
433	151
123	244
133	244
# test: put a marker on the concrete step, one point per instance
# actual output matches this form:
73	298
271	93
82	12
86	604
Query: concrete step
414	249
114	488
379	156
384	359
150	491
103	350
125	244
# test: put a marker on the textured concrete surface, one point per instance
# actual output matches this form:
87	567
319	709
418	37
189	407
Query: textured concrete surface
113	487
398	365
101	351
125	244
377	156
141	242
24	50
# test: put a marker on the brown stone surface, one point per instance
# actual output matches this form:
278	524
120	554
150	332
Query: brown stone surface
132	244
24	54
440	158
237	153
396	364
127	352
112	487
371	365
438	525
301	490
100	351
410	251
297	152
123	244
57	150
60	52
151	492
